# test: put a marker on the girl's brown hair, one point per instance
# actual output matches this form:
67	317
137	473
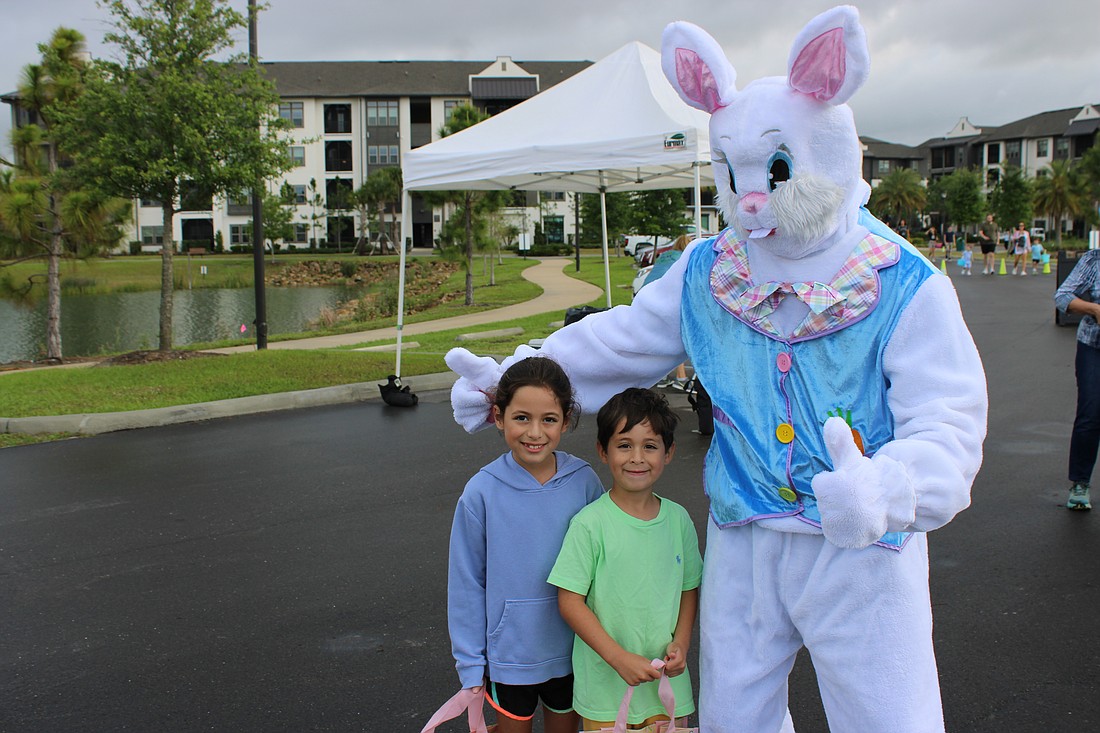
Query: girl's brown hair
538	371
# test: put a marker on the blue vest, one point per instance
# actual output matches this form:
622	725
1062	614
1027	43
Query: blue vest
773	394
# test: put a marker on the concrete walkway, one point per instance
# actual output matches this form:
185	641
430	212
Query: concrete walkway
559	293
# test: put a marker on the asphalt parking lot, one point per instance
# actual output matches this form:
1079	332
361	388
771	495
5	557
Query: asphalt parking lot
286	571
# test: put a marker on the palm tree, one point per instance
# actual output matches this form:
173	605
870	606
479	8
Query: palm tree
1057	194
899	194
43	214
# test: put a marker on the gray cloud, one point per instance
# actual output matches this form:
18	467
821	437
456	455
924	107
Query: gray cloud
933	61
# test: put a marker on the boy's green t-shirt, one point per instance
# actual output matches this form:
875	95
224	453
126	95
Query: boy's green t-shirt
632	573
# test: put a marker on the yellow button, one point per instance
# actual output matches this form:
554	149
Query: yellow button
787	494
785	433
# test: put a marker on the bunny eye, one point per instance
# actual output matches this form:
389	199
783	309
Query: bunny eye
733	184
779	169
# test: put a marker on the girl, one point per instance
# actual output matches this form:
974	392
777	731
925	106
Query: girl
506	632
1021	244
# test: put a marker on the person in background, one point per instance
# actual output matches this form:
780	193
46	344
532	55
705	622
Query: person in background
966	259
660	267
1037	250
1020	241
1080	293
987	240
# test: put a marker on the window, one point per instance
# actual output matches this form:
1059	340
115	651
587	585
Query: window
301	232
554	228
1042	148
992	176
293	113
152	235
992	153
337	118
552	195
238	234
382	155
381	114
299	194
883	166
1012	152
337	193
297	156
240	205
449	108
338	155
151	203
937	158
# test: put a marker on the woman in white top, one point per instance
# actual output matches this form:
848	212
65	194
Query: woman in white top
1021	244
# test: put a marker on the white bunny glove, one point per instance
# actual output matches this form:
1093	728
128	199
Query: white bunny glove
470	394
860	499
478	376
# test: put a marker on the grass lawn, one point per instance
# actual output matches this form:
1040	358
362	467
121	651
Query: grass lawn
203	379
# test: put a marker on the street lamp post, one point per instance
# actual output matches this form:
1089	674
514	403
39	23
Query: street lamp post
257	208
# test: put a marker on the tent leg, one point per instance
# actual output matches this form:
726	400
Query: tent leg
406	206
606	259
698	203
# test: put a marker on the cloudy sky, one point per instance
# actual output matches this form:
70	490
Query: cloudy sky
932	61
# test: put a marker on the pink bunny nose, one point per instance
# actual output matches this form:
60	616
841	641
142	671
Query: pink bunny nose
752	202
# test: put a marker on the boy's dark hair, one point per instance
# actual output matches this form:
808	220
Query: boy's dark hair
636	405
537	371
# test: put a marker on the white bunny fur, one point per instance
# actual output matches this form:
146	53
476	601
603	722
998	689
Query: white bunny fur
777	583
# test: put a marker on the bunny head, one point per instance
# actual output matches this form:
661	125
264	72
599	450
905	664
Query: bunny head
787	159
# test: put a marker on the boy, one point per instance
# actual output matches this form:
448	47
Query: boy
629	571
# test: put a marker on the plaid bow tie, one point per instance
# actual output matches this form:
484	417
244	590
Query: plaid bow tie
819	297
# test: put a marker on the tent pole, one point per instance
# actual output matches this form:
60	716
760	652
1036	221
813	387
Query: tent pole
603	225
406	205
698	202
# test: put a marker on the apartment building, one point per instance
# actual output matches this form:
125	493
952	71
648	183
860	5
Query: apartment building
349	118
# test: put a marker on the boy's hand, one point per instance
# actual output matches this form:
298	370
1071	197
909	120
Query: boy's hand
675	659
635	669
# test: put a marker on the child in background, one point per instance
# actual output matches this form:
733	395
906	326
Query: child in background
629	572
1037	250
506	631
967	258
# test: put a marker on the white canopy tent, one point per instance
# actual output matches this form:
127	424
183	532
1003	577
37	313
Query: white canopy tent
616	126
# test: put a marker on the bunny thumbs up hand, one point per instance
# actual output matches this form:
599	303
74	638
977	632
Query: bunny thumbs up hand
477	375
854	498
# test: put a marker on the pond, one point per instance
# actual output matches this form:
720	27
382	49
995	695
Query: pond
120	322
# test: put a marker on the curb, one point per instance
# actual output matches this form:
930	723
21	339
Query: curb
107	422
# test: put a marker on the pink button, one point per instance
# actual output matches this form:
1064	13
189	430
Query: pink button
783	361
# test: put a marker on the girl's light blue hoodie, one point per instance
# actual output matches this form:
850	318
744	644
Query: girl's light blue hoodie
502	614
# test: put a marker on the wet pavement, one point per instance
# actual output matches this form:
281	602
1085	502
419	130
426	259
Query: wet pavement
286	571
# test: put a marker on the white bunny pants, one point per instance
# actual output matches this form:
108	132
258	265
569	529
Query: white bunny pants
864	615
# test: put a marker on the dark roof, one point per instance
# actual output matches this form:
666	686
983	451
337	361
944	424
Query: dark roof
1083	127
1044	124
512	87
891	151
398	78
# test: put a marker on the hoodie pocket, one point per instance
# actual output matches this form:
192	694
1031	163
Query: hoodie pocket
528	629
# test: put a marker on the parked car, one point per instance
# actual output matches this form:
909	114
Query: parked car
639	280
632	242
1038	233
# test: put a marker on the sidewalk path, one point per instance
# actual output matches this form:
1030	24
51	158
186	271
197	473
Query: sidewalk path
559	291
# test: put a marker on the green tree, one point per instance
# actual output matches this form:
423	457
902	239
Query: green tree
618	218
316	202
168	112
1010	200
278	216
472	206
44	213
960	193
661	212
1058	194
899	195
379	194
1089	176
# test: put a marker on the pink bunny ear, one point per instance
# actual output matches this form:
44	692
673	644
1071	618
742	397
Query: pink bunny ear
696	67
829	59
